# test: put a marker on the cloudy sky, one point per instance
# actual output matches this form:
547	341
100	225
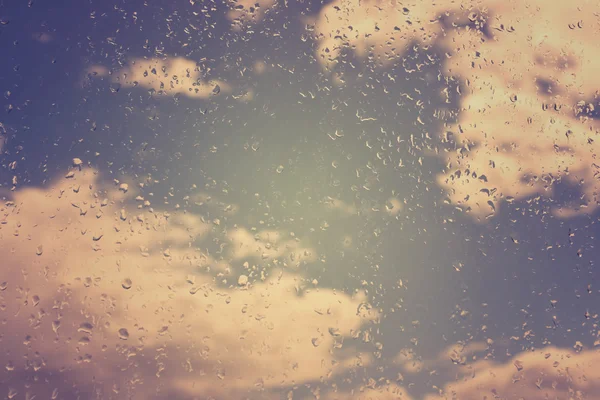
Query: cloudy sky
283	199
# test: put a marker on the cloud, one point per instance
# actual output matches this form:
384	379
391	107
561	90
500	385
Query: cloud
268	245
93	72
524	122
393	206
371	391
169	76
98	295
332	203
527	114
541	374
382	29
244	12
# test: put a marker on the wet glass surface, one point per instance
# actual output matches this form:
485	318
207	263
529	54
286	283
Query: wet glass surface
285	199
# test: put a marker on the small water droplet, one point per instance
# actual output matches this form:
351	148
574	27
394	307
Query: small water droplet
115	87
334	331
126	284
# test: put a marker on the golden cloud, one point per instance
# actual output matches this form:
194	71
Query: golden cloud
169	75
525	121
102	296
542	374
372	391
243	12
374	28
173	75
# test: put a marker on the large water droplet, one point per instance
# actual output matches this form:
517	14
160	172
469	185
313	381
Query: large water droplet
123	334
126	284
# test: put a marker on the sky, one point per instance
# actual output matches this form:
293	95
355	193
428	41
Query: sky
286	199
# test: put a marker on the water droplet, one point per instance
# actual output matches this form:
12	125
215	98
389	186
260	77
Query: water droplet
126	284
518	365
85	327
243	280
123	334
84	340
162	331
334	331
115	87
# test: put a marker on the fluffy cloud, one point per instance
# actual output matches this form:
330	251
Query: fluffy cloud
243	12
527	118
387	391
169	76
100	296
525	121
382	29
542	374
